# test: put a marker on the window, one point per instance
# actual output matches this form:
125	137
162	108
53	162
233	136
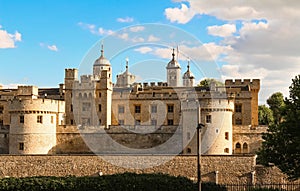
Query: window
99	94
153	108
52	119
245	146
208	119
137	122
238	108
226	135
21	118
1	108
21	146
226	150
170	122
39	119
72	122
1	122
238	146
238	121
137	109
71	108
99	107
153	122
121	109
121	122
86	106
170	108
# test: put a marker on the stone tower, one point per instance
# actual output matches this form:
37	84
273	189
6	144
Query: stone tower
33	122
71	76
188	77
173	72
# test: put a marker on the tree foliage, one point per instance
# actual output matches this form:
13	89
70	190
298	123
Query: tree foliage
281	144
265	115
276	103
208	81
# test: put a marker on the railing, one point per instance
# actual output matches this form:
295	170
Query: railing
275	186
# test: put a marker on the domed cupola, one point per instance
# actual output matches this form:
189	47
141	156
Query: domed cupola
101	64
173	72
188	77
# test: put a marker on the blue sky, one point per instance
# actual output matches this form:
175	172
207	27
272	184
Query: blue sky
39	39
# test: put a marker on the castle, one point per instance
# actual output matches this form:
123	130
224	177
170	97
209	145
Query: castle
91	114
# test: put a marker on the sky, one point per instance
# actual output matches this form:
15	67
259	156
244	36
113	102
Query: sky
223	39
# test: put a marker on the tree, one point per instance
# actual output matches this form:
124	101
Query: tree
207	82
265	115
276	103
281	144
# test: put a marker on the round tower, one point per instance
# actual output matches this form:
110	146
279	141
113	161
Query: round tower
33	126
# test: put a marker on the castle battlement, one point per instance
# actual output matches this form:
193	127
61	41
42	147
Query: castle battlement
254	83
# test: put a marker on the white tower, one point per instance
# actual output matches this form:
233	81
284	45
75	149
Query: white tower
188	77
173	72
126	79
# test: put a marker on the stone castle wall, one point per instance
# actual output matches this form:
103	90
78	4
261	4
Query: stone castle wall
218	168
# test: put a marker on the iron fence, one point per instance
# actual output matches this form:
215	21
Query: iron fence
261	187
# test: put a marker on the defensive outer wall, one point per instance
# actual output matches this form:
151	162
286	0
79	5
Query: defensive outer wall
214	168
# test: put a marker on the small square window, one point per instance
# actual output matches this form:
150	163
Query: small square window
121	122
21	146
226	150
170	108
21	118
238	108
153	122
238	121
39	119
226	135
153	108
137	109
208	119
137	122
121	109
170	122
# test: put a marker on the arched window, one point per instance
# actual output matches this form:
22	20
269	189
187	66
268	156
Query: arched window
238	146
245	148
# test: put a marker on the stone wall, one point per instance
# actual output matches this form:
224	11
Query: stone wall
229	169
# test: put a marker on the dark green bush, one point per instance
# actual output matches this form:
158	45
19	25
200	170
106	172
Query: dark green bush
124	182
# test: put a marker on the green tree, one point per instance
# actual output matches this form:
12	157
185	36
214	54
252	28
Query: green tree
207	82
276	103
265	115
281	144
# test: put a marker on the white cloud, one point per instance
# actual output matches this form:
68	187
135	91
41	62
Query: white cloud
125	20
137	39
143	49
265	46
124	36
94	30
0	26
222	31
180	15
153	38
137	28
8	40
52	48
